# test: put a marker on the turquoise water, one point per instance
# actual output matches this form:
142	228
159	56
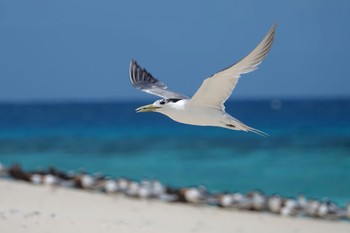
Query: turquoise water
308	150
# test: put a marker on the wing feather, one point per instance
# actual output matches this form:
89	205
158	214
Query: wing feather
141	79
215	90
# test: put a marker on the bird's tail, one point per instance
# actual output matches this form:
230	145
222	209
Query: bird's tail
261	133
234	124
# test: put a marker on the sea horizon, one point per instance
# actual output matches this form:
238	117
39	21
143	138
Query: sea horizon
307	151
151	99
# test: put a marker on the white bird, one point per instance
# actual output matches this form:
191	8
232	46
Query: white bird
275	204
3	170
36	179
226	200
206	107
49	179
110	186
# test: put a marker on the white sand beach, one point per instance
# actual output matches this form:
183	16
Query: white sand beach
28	208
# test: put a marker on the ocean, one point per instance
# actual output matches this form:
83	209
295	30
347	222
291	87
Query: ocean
308	150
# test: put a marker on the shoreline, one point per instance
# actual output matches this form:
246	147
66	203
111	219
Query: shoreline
30	208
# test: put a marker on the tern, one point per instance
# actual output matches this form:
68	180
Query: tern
206	107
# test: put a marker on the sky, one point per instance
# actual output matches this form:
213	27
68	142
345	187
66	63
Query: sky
81	49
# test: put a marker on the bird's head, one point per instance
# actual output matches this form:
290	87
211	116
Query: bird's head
156	106
159	106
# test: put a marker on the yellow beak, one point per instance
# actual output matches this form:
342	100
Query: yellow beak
147	108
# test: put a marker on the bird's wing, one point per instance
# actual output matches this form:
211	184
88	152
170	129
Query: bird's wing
144	81
215	90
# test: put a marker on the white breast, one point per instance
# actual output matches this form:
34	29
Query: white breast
183	113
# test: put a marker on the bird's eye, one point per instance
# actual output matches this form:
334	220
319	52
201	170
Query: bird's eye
162	102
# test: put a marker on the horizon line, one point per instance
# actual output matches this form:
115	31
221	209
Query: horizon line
138	100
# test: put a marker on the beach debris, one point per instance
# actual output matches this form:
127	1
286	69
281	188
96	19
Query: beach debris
198	195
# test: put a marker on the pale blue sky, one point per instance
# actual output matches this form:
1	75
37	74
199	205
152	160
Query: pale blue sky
81	49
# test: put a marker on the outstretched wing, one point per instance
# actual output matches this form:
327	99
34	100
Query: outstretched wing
215	90
144	81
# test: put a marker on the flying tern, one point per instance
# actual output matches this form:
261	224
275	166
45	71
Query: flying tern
206	107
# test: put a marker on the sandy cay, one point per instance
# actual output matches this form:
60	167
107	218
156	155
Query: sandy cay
28	208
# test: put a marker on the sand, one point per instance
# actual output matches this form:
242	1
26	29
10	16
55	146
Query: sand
28	208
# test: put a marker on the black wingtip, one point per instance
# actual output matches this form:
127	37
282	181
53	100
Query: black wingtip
133	62
141	78
132	71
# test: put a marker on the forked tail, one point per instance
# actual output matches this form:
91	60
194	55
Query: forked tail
234	124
